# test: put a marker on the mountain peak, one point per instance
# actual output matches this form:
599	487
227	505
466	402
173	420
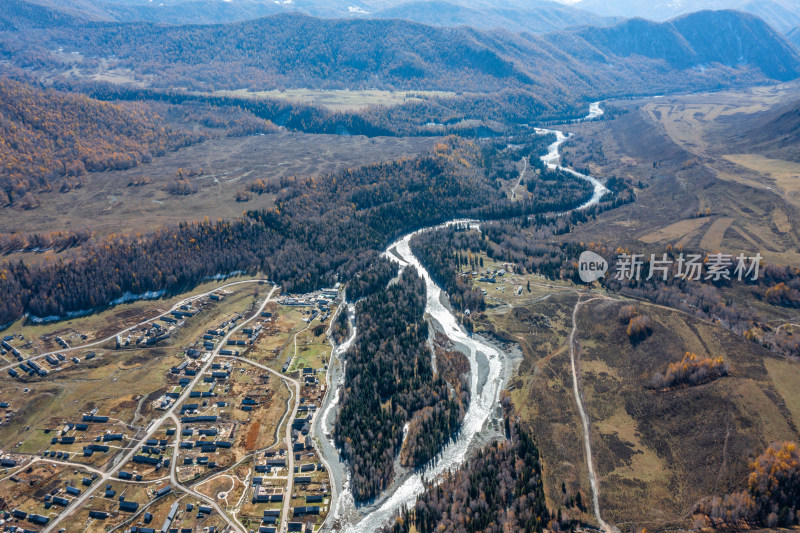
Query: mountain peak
744	40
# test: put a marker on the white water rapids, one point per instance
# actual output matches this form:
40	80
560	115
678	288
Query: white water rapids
489	367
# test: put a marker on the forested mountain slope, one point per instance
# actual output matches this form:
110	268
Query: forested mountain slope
536	16
728	37
531	15
49	138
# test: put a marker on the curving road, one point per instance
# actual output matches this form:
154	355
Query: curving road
234	524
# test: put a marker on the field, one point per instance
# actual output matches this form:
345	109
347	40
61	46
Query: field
341	100
785	174
106	204
669	449
278	346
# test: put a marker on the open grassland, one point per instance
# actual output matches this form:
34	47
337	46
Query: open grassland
785	175
666	450
538	321
277	346
115	388
686	118
542	394
658	453
342	99
313	348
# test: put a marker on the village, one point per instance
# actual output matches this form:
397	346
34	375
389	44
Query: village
224	440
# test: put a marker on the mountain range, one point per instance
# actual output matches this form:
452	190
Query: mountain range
537	16
780	14
701	51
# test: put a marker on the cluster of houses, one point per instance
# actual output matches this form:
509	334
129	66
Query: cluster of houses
76	433
58	497
163	327
30	366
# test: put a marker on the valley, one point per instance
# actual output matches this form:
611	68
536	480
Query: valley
411	267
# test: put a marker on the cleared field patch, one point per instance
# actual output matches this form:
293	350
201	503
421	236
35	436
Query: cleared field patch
664	450
785	174
781	220
341	99
675	232
712	240
785	377
50	405
276	346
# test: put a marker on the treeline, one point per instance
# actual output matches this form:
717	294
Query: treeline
40	242
210	120
784	294
705	297
546	184
321	228
690	371
47	136
340	327
772	498
498	490
468	115
371	280
499	157
388	380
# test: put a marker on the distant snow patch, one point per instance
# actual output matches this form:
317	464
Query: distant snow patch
357	9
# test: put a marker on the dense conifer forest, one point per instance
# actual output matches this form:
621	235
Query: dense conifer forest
389	379
497	491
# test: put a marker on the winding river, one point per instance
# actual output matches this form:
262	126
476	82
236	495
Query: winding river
490	367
